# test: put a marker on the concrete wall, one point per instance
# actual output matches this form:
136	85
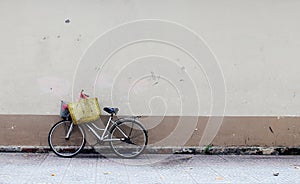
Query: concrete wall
234	58
32	130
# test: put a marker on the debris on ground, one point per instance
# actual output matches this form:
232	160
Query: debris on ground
219	178
275	174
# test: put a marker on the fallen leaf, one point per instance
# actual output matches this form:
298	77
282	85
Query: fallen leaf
52	174
107	173
219	178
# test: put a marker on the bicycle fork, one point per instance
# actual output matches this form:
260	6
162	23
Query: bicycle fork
69	131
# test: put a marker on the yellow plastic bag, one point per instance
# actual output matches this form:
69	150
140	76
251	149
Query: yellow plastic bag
84	111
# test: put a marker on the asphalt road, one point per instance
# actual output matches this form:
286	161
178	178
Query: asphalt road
150	168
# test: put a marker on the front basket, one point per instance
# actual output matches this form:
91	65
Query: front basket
84	111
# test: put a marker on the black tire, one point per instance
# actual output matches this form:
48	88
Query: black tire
136	141
66	147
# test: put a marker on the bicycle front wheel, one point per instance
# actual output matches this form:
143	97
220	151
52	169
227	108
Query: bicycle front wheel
62	145
128	138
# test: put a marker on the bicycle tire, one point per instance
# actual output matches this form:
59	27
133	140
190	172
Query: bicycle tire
66	147
136	141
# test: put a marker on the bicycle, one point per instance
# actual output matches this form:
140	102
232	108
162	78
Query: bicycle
127	137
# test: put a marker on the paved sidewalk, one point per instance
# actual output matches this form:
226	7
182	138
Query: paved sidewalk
88	168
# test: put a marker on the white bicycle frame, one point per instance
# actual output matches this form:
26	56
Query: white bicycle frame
104	136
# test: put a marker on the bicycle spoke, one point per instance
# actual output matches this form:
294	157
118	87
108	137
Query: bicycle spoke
62	146
132	143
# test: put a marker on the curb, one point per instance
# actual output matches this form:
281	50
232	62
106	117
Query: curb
208	150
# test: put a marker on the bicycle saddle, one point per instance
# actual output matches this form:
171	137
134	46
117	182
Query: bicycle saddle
111	110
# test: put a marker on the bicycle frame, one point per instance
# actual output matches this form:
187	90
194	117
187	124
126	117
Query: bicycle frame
104	136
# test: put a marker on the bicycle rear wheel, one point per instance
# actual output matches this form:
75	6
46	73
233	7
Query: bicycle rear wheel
63	146
129	138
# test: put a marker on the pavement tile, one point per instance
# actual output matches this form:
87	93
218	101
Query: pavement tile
174	174
82	169
51	170
108	171
20	163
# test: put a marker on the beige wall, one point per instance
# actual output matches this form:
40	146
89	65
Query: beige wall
256	44
234	58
